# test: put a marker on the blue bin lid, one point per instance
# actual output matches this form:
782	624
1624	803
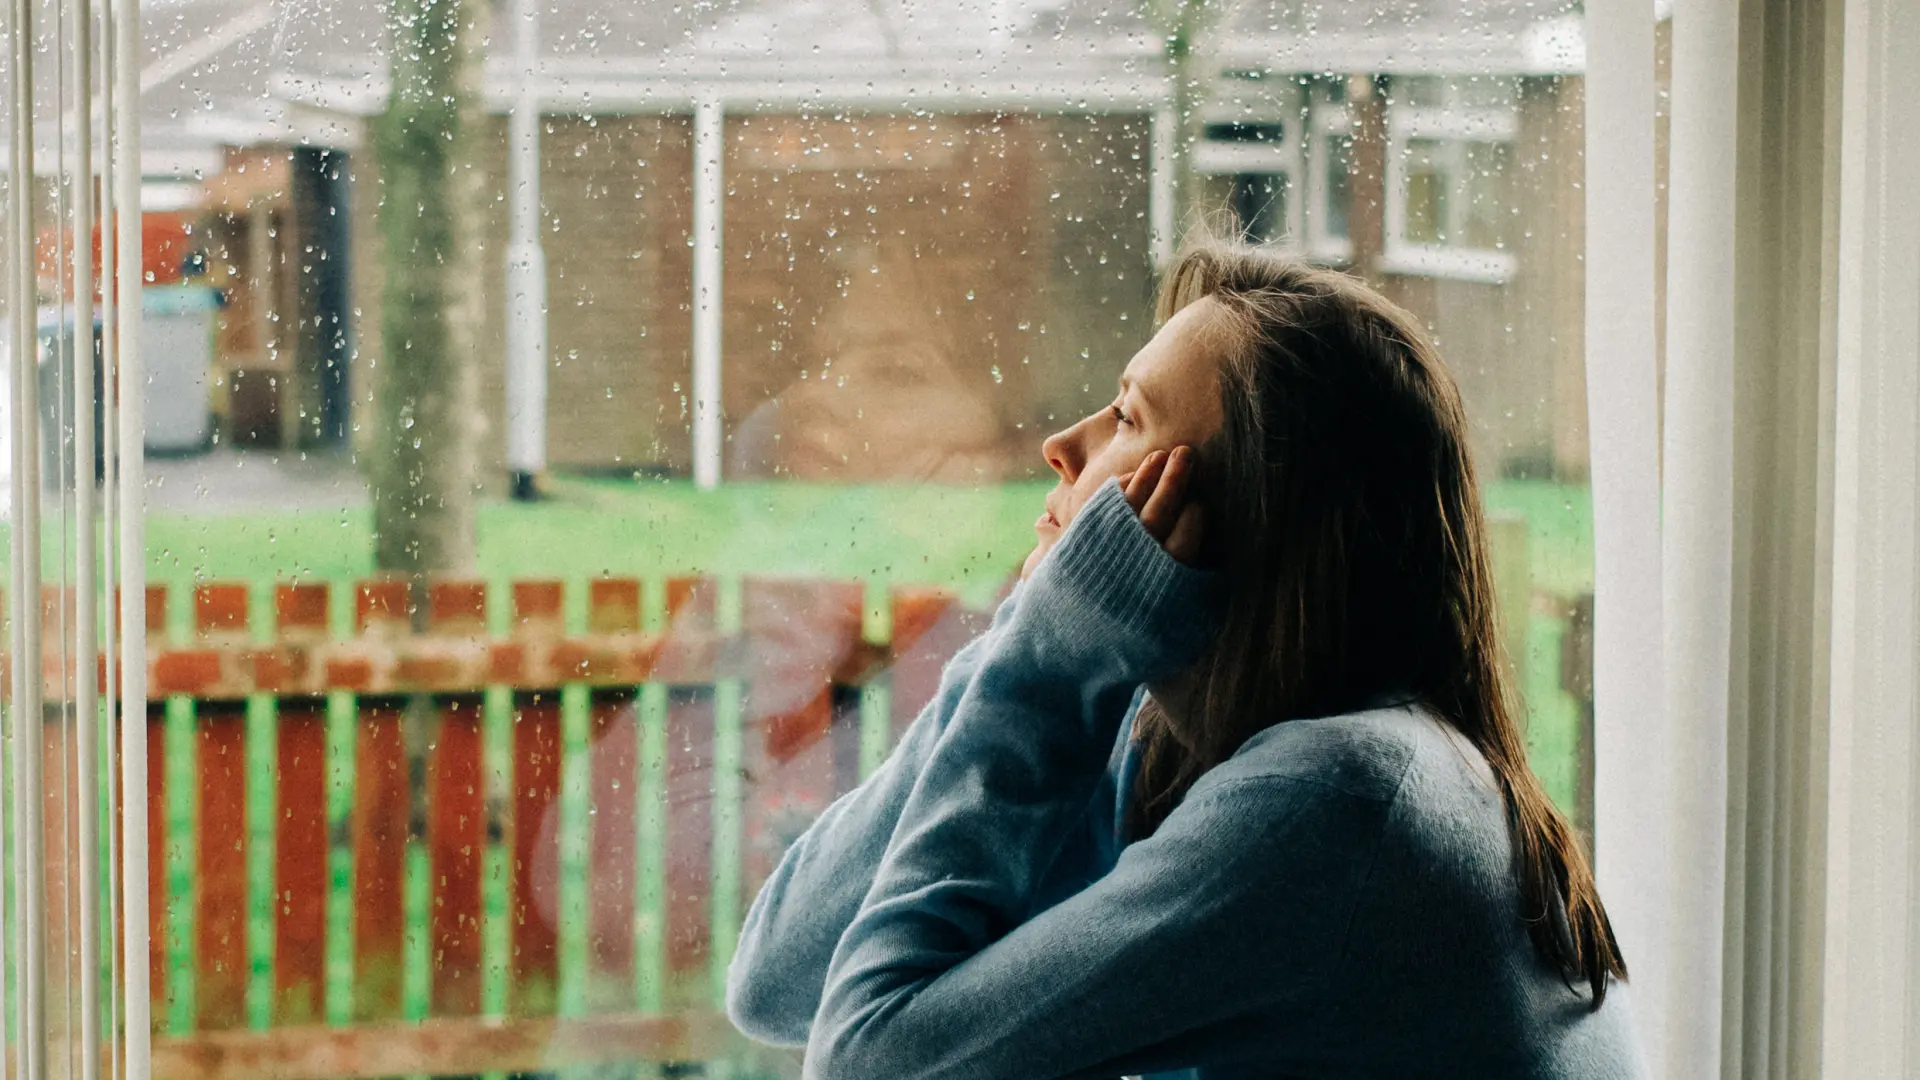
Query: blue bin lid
154	300
178	299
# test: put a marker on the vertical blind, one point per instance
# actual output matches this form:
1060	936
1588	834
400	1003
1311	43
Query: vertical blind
75	914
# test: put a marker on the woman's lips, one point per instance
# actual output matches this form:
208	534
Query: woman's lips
1047	521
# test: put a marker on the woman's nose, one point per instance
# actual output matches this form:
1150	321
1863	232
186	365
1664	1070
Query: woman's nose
1062	451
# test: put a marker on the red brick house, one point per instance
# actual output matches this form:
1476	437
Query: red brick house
938	224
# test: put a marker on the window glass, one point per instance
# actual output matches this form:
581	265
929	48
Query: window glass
1257	203
1429	191
1339	174
1457	192
697	361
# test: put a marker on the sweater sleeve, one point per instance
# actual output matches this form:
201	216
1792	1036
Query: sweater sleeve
938	976
1223	928
780	961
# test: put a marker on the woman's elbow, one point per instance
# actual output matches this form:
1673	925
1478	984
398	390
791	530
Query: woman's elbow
838	1052
879	1040
767	1009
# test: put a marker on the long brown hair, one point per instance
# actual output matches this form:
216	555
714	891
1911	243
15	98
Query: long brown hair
1342	506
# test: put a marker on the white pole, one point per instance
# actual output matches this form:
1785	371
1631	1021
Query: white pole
1633	745
526	272
709	193
28	782
1697	522
109	513
86	642
130	390
1160	181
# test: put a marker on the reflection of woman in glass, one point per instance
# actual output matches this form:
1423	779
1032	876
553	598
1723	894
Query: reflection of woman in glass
1235	781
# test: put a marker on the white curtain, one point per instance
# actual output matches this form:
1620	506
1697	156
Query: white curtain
1757	827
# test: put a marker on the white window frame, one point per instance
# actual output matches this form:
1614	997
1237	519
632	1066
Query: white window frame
1325	121
1492	266
1286	158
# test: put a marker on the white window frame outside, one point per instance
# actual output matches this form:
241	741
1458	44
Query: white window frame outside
1286	158
1405	123
1325	121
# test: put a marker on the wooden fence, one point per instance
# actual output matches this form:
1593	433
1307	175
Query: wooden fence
395	851
455	842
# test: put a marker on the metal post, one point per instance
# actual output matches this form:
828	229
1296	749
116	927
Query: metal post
109	510
709	194
526	273
29	835
86	585
130	391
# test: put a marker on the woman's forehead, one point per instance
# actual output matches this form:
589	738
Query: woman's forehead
1184	348
1178	370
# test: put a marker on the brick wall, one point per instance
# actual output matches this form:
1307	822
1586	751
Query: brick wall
925	298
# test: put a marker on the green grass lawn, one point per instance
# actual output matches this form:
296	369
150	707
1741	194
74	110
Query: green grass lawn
965	538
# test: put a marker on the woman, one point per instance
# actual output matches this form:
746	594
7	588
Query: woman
1233	783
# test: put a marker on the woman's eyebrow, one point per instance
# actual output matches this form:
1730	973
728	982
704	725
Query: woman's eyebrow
1139	392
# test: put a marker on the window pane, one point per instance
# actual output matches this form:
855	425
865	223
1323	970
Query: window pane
1257	203
1339	173
1430	191
1485	196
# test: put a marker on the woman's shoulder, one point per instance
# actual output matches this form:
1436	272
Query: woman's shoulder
1364	754
1403	755
1426	782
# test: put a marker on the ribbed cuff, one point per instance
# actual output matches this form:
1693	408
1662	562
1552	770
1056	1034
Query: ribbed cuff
1109	567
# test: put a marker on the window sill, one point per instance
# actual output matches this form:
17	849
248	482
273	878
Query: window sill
1331	252
1460	264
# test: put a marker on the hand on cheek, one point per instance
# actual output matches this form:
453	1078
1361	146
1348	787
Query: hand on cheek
1157	491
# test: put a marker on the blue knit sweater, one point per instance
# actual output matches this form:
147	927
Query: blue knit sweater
1336	900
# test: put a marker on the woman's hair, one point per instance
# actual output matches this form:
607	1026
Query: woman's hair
1342	506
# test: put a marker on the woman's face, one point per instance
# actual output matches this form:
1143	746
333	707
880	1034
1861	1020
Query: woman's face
1169	396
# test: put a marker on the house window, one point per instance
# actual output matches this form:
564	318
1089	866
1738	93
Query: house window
1249	165
1329	174
1257	203
1449	178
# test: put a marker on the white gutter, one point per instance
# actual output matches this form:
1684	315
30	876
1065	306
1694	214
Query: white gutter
526	272
709	193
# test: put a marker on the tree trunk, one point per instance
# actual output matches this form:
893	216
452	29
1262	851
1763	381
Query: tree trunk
1181	25
425	467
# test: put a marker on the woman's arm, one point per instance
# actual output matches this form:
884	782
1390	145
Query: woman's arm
780	963
1216	939
938	977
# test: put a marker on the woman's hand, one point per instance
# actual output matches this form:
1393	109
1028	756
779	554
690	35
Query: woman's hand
1157	491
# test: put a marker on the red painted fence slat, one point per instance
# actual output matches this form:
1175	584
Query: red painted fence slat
686	665
533	892
613	608
301	844
382	806
534	897
615	757
456	814
300	861
220	918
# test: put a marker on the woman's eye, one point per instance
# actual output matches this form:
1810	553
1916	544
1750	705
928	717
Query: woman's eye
1120	416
